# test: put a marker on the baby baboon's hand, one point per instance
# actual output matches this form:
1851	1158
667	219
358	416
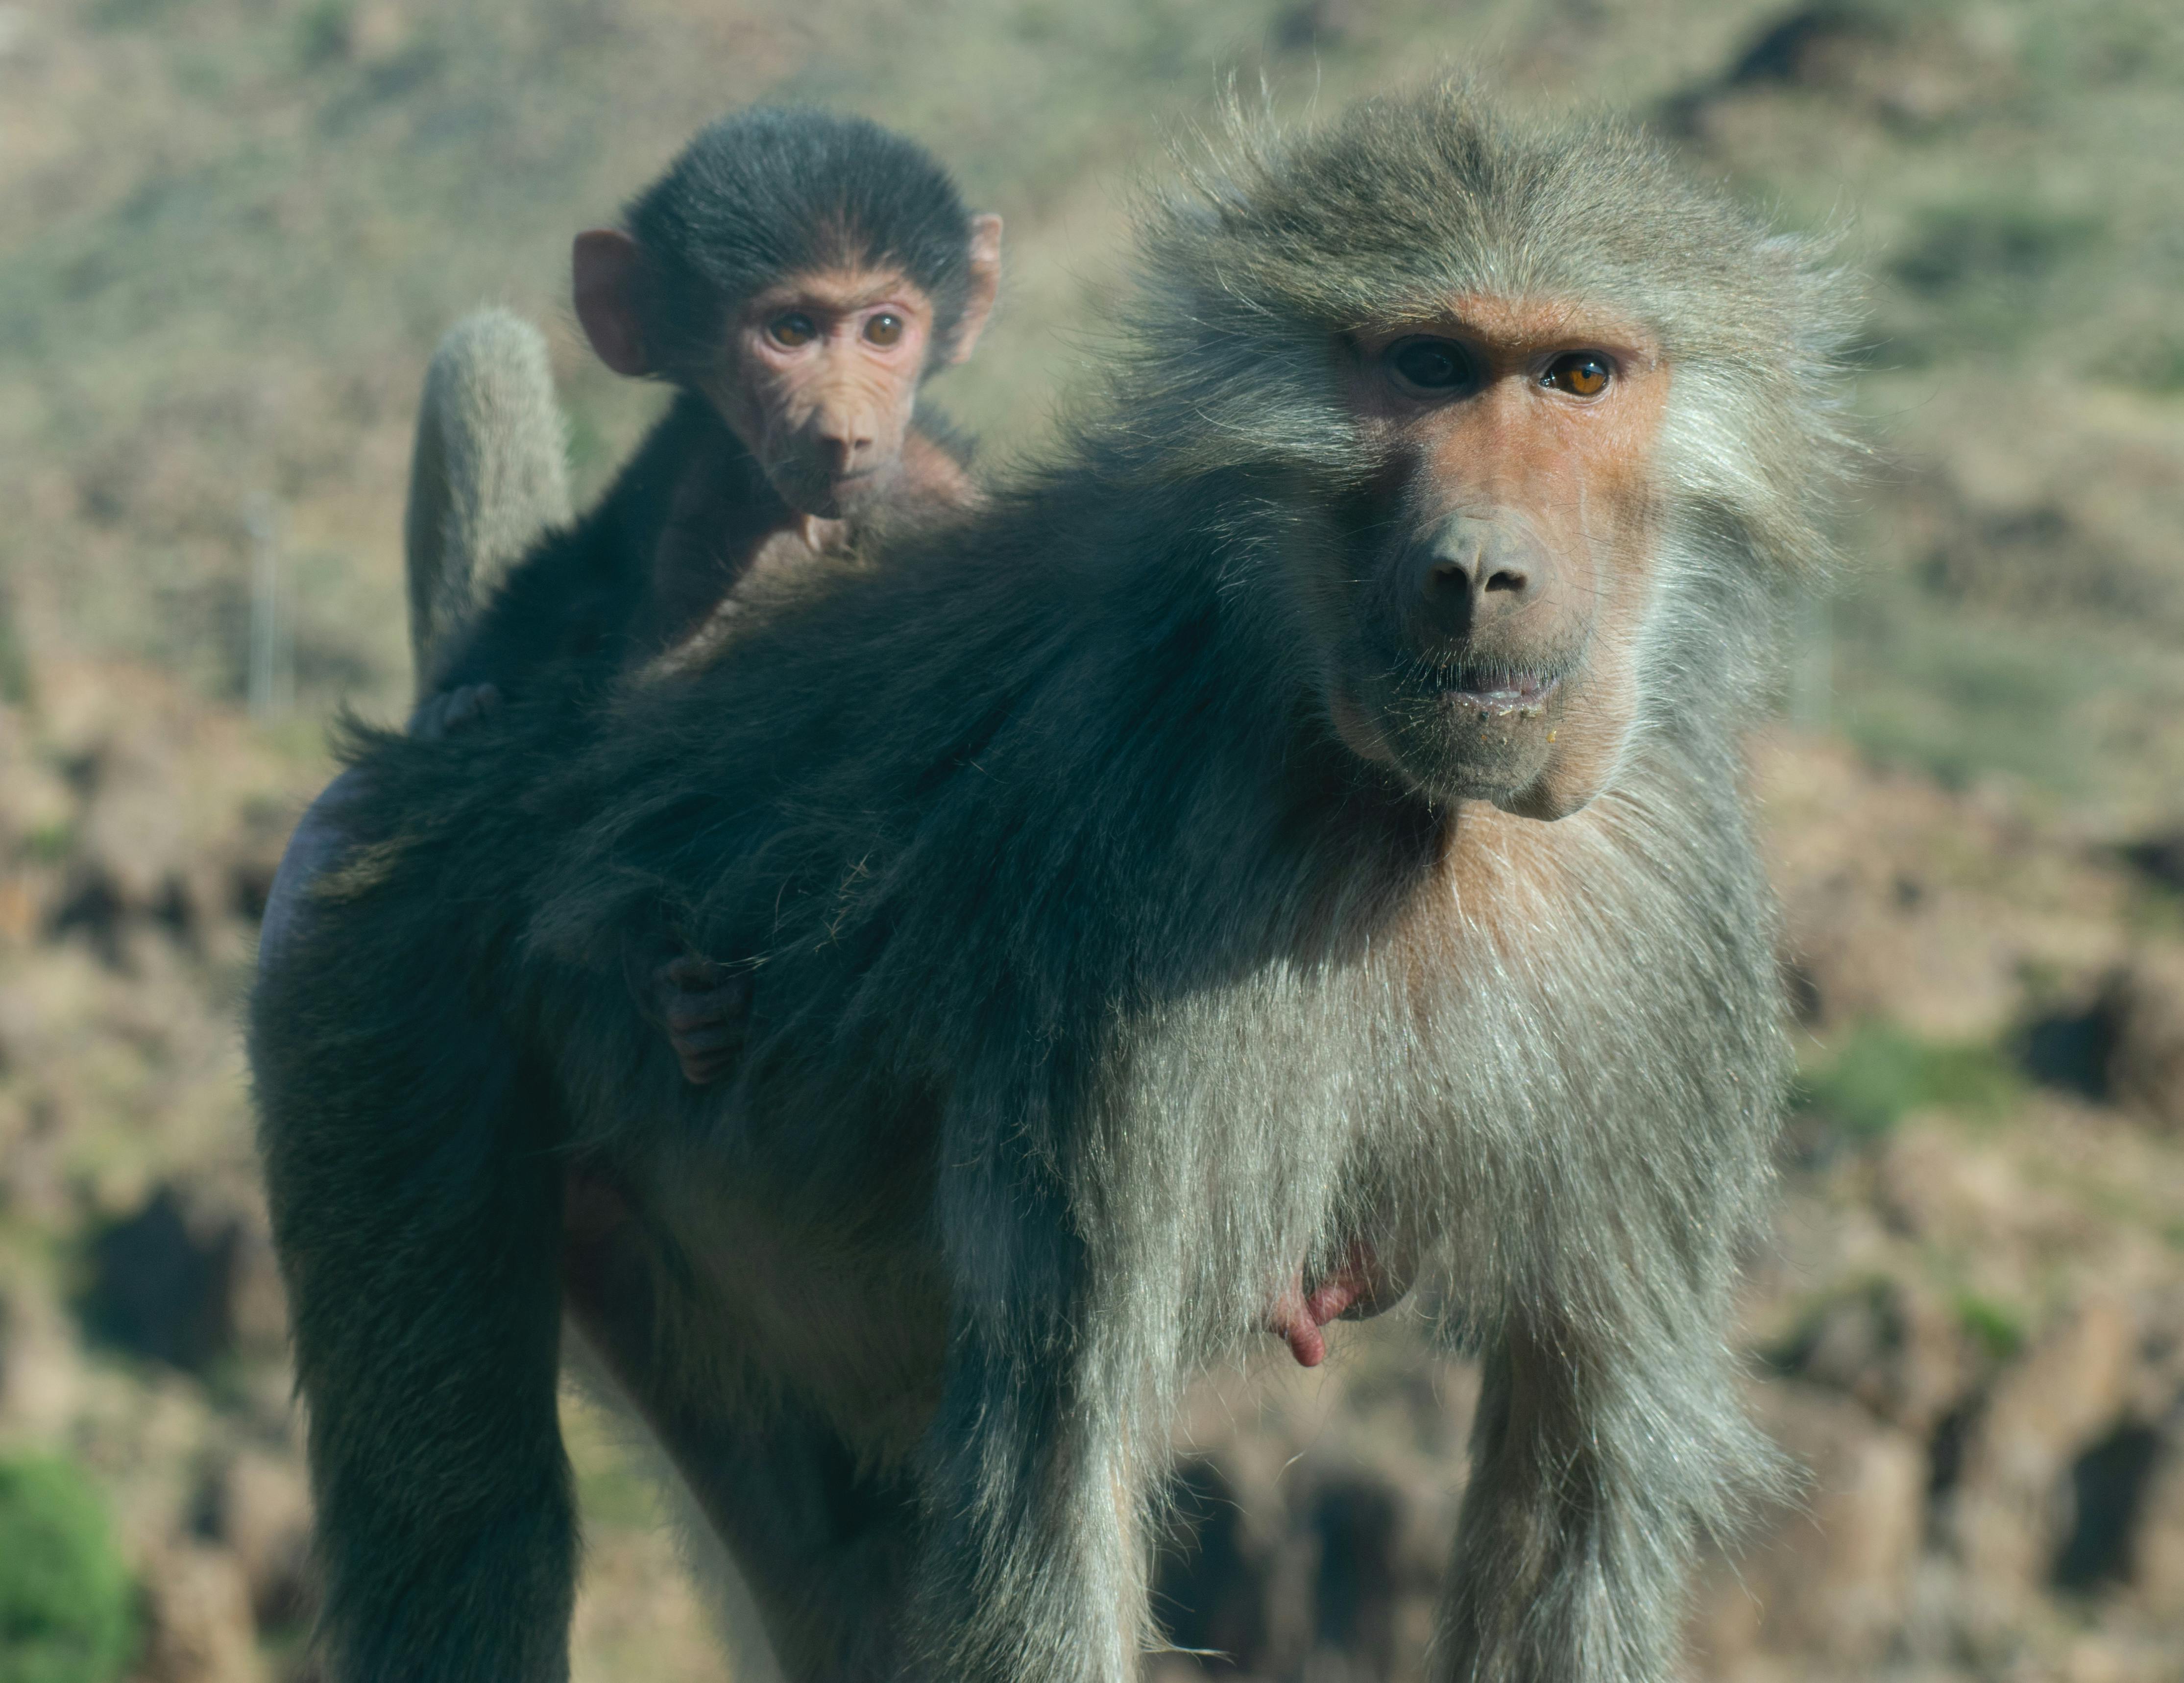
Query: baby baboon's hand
706	1009
448	710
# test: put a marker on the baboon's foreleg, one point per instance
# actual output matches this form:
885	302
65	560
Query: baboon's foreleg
826	1547
824	1544
1032	1569
1599	1453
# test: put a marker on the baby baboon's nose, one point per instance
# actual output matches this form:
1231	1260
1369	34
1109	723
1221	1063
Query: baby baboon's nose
845	439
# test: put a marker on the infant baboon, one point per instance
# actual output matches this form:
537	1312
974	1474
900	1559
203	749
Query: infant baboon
798	277
1303	822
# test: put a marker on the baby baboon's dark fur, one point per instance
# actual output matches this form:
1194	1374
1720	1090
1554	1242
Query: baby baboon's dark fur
772	192
1102	983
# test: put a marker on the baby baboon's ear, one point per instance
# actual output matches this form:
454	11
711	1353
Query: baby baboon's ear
985	284
603	266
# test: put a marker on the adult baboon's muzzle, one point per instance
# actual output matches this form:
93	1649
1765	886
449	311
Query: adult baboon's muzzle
1476	582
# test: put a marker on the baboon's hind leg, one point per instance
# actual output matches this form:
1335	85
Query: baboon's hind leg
416	1201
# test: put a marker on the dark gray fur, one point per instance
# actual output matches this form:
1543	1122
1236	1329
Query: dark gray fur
1099	984
779	191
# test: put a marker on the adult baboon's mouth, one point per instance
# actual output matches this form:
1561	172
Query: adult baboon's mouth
1501	691
1477	686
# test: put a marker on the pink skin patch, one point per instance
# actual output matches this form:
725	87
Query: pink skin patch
1297	1317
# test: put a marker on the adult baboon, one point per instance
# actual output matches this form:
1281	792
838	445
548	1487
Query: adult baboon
1304	822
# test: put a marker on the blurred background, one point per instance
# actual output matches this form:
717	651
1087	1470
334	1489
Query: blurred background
231	231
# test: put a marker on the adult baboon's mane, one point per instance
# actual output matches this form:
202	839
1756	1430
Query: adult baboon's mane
1280	241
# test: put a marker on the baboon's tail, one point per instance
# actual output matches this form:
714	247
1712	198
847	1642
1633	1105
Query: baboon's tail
488	476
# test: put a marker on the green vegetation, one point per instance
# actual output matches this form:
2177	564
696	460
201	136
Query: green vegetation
67	1612
50	844
1997	1329
615	1484
14	668
1881	1073
2152	364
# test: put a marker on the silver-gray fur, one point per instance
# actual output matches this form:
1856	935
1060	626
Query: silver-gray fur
1099	984
487	478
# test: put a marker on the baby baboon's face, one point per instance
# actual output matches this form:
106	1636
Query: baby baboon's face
1492	600
820	381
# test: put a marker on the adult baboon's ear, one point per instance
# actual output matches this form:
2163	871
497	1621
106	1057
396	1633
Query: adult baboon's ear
985	284
603	266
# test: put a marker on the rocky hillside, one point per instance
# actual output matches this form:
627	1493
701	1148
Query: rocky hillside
230	231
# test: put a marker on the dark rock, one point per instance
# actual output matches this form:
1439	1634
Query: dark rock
188	1279
1317	23
2144	1003
2108	1487
1208	1586
2074	1049
2159	858
1812	47
1358	1522
1893	1346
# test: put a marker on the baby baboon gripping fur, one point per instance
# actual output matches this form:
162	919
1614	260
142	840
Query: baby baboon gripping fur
1304	823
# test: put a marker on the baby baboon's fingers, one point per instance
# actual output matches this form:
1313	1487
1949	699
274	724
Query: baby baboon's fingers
691	974
429	723
696	1004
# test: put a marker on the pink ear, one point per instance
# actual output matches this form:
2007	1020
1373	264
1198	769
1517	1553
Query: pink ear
603	265
985	284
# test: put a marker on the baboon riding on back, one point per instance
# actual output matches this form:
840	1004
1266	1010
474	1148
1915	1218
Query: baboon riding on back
1295	836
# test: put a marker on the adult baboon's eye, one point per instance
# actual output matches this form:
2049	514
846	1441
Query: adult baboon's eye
791	330
1430	365
883	329
1582	374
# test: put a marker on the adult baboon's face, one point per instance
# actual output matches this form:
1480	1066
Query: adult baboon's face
1493	595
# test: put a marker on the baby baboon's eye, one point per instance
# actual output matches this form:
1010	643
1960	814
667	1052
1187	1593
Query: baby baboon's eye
1582	374
1430	365
791	330
883	329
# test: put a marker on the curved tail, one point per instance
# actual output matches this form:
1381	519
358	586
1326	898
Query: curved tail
488	476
